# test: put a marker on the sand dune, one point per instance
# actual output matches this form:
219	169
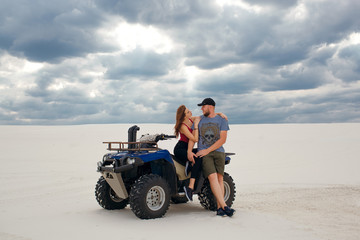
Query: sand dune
295	181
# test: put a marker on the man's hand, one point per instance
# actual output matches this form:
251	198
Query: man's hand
191	156
202	153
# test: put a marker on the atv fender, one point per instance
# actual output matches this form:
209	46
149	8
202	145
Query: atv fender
116	183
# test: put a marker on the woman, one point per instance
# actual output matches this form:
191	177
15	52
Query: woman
184	121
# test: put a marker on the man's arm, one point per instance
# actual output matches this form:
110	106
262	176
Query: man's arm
216	145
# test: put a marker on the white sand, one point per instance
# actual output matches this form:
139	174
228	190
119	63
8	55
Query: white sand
293	182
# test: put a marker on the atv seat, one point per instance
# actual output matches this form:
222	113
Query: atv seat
180	170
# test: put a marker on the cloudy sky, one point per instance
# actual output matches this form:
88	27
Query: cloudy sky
126	61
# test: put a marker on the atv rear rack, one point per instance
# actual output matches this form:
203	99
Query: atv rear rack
131	146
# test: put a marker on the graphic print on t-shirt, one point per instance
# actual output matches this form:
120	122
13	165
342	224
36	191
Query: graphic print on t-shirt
209	134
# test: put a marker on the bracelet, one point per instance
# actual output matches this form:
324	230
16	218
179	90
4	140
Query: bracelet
196	129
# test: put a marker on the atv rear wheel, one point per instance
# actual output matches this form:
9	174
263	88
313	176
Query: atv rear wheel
106	197
208	200
150	197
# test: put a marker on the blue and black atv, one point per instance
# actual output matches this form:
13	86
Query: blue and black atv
148	178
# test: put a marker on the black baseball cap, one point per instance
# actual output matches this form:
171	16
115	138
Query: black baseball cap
207	101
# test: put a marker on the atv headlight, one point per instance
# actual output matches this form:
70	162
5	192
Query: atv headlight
130	160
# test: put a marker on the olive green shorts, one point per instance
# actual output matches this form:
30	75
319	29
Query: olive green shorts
214	162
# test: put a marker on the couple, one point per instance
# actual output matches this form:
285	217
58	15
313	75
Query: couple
210	132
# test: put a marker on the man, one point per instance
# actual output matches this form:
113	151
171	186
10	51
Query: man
212	135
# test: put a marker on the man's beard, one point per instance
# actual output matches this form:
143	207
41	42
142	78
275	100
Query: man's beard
207	113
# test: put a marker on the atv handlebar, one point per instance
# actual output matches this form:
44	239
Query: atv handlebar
164	137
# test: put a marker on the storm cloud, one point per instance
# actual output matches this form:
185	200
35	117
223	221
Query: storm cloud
122	61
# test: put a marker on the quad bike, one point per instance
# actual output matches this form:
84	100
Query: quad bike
149	178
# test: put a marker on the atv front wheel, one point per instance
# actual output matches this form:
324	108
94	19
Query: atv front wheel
208	200
106	197
150	197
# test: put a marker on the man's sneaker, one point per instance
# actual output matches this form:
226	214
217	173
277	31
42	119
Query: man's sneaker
188	168
188	193
229	211
220	212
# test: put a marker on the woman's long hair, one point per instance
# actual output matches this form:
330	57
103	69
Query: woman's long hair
180	116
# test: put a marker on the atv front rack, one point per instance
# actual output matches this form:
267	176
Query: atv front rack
131	146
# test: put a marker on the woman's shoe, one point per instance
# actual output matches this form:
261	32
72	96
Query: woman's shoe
188	193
